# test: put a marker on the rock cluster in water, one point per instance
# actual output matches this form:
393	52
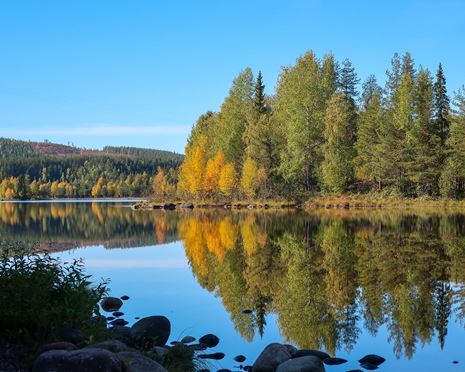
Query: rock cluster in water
120	353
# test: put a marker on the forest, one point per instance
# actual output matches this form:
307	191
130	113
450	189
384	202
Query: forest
46	170
323	131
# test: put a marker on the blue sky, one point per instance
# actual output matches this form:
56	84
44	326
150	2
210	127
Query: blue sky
139	73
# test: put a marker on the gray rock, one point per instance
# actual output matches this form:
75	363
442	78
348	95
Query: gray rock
271	357
114	346
302	364
153	329
78	361
68	346
309	352
73	335
187	339
110	304
117	314
160	351
209	340
120	332
291	348
135	362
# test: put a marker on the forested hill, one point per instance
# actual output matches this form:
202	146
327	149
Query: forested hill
32	170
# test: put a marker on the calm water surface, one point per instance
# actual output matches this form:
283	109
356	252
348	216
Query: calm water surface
352	283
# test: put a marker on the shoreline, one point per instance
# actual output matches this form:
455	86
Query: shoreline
346	202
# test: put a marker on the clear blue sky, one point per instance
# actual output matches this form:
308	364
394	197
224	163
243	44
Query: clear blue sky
140	72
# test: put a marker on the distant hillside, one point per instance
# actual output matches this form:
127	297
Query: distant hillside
34	170
10	148
142	153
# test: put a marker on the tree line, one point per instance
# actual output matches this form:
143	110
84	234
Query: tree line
318	132
82	176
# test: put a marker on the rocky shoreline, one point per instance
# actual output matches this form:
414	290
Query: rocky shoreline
205	205
143	348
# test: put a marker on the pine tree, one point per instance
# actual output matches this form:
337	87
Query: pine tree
441	106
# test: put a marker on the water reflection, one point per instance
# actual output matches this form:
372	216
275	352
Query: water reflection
327	277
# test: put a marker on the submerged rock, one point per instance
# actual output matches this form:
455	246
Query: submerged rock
135	362
372	359
119	322
187	339
77	361
124	298
271	357
117	314
215	356
334	361
302	364
309	352
369	366
209	340
110	304
240	358
152	329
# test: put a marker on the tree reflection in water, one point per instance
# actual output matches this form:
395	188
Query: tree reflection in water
325	275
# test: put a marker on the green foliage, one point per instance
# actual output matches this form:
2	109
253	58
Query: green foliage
42	296
338	151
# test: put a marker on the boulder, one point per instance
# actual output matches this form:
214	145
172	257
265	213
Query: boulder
73	335
302	364
121	333
209	340
68	346
117	314
197	347
114	346
369	366
78	361
110	304
124	298
309	352
152	329
291	348
271	357
135	362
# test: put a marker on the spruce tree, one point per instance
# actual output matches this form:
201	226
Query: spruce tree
425	163
441	106
348	80
259	95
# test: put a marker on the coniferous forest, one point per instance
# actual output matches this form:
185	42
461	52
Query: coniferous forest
323	130
30	170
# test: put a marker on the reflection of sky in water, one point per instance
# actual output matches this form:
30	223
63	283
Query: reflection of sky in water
159	281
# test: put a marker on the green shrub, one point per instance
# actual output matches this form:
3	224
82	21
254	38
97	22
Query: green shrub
40	296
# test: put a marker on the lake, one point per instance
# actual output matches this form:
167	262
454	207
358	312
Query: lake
348	282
